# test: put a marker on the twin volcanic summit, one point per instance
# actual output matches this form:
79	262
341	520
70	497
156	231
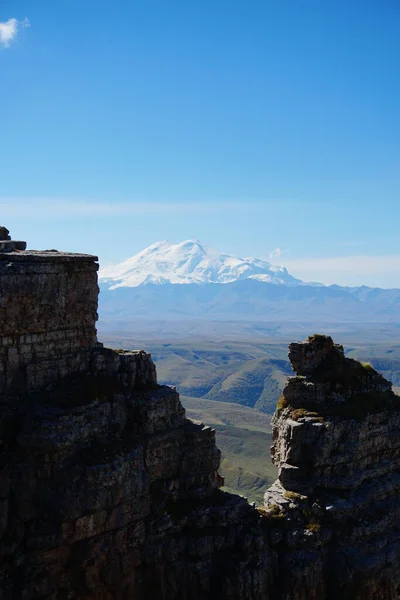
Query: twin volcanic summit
191	262
190	281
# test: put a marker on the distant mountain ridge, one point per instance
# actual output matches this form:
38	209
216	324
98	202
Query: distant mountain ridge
191	281
191	262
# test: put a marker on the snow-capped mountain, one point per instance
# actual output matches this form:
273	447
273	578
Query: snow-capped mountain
170	282
190	262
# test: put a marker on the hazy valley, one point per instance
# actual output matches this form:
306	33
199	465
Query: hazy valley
218	327
233	384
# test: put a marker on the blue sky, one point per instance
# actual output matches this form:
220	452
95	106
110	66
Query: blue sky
250	125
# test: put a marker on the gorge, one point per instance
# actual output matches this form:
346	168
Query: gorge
108	492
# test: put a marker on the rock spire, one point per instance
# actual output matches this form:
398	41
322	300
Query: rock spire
336	443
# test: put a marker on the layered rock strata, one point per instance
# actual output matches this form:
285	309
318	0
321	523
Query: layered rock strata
108	492
336	443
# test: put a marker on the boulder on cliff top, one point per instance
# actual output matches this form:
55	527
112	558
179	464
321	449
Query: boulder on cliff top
332	384
4	233
307	357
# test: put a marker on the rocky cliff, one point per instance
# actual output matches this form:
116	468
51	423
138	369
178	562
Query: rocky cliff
336	444
108	492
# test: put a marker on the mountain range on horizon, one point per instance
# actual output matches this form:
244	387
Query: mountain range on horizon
190	280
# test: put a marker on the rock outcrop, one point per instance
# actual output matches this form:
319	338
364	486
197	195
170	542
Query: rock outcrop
108	492
336	443
7	244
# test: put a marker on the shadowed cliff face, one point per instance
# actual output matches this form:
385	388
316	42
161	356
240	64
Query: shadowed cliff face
108	492
336	444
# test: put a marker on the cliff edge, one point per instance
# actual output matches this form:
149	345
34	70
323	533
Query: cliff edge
108	492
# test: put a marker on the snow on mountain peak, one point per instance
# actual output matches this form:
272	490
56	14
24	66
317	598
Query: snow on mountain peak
190	262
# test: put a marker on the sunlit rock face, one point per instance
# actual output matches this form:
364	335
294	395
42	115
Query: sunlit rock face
108	492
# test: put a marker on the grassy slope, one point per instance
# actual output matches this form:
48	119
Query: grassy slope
246	372
244	438
250	374
383	357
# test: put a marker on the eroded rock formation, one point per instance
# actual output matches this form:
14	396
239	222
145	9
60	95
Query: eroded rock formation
336	442
108	492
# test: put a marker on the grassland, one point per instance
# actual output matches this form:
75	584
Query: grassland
244	438
233	385
249	371
251	375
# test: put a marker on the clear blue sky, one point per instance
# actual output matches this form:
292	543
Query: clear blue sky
250	125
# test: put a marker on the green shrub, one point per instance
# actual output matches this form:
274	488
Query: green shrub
314	527
367	365
318	337
272	511
299	413
293	495
282	403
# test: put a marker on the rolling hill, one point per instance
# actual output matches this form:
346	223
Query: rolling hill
244	438
233	386
251	375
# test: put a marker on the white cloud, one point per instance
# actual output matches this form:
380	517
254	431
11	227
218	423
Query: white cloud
275	254
379	271
353	243
9	30
58	208
374	271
